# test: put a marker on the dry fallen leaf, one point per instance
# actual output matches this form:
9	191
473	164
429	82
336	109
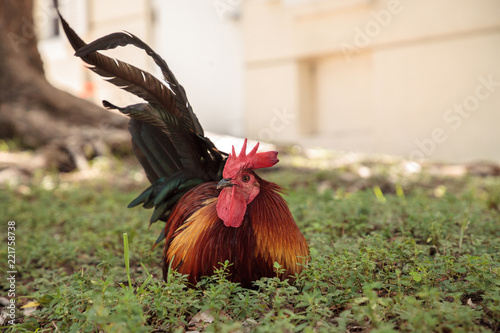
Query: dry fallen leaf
471	304
202	317
32	304
197	323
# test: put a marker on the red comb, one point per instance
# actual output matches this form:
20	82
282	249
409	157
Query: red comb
253	160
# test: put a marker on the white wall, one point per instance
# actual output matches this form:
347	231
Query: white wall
203	47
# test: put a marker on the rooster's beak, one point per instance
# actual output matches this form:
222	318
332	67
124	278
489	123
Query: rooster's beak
226	182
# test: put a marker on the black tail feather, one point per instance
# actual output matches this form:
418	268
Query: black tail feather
166	136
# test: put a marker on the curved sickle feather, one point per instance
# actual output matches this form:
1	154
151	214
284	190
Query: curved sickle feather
117	39
135	80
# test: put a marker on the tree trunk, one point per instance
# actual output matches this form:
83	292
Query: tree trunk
38	115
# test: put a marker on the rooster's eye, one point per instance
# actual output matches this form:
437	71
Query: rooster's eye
245	178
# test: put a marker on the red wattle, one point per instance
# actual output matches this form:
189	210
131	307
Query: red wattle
231	207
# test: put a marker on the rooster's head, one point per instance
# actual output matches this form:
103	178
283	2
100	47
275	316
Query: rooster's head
240	184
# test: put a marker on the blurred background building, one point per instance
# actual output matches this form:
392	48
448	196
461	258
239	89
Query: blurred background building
415	78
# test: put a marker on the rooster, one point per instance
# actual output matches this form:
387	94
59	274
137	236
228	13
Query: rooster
215	206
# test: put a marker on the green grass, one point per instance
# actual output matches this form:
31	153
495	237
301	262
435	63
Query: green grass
416	255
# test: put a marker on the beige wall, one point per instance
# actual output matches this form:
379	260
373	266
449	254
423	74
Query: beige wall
401	77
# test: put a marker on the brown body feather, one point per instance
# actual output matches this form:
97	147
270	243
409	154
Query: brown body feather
198	240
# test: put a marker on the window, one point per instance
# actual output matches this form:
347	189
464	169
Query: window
47	21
